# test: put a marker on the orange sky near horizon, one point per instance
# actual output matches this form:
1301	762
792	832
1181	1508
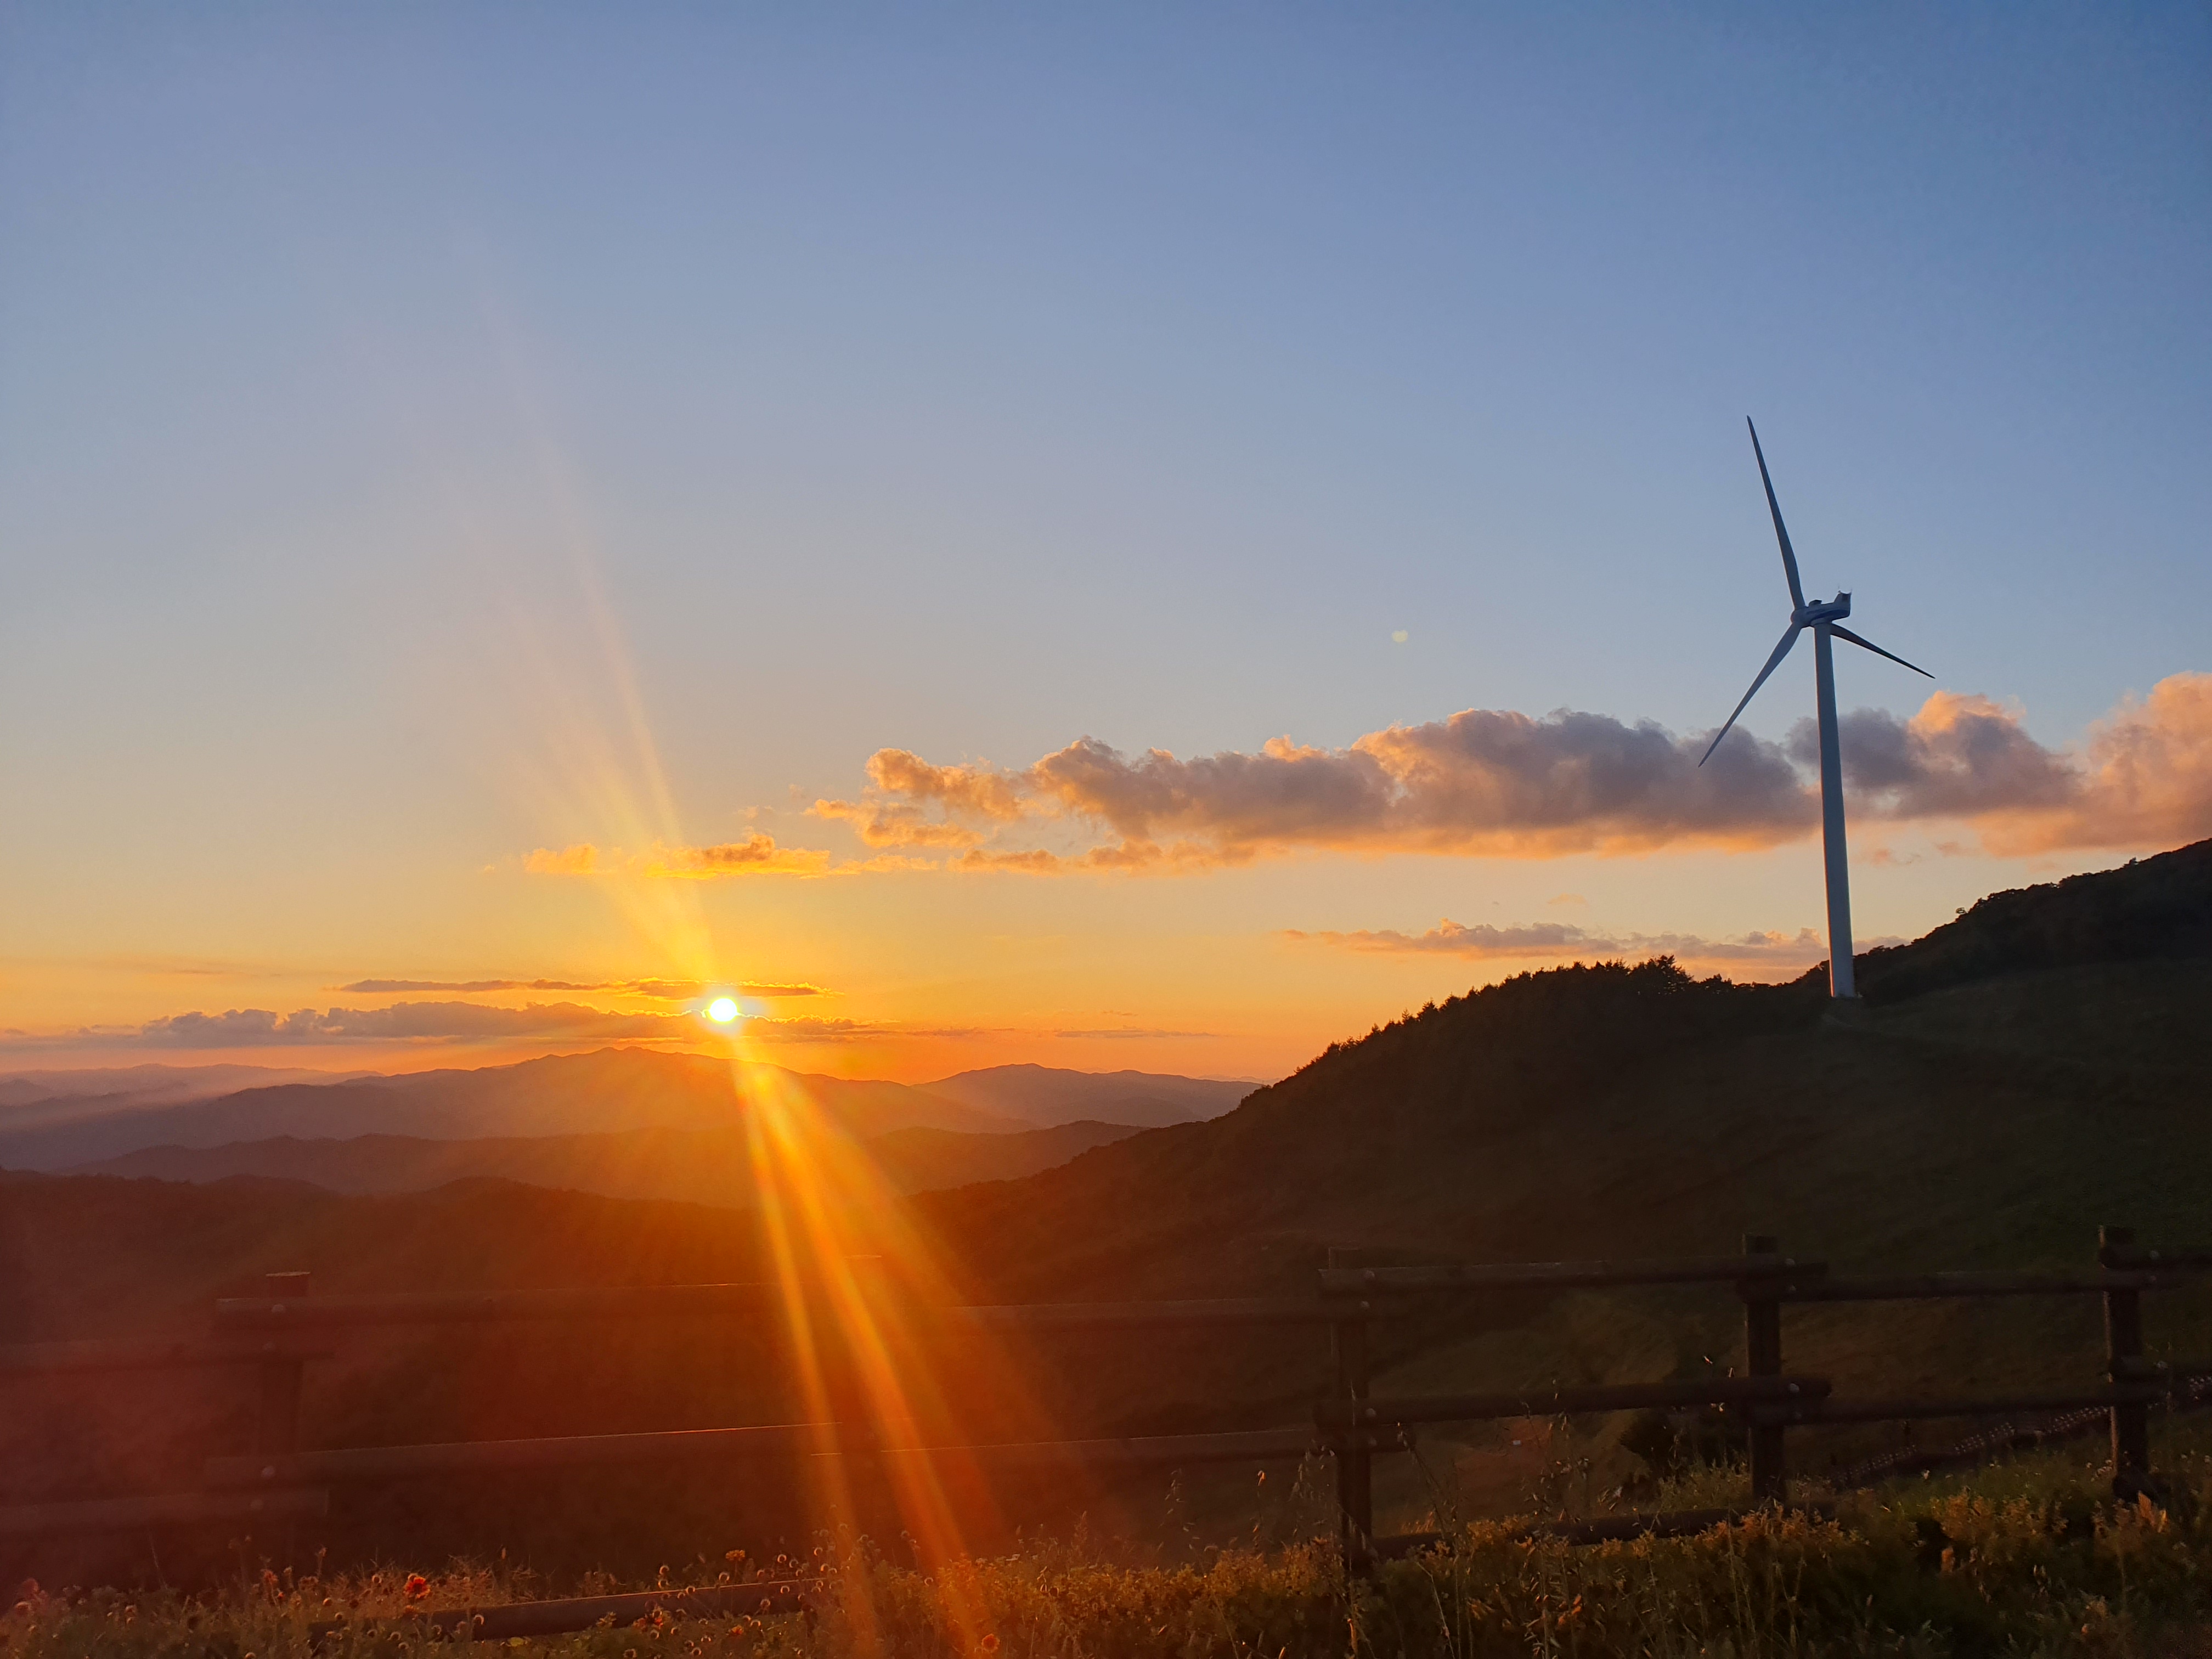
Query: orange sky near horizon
1155	540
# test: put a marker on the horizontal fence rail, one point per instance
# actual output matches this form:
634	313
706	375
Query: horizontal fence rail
361	1465
589	1302
1935	1287
1604	1529
1913	1411
1560	1402
61	1358
2130	1255
358	1464
261	1313
1568	1275
505	1620
1143	1315
1156	1451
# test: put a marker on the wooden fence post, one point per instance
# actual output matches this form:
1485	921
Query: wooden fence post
2123	1343
276	1430
1355	1462
1762	1341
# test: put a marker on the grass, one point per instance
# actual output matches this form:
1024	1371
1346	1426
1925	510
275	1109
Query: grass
2026	1559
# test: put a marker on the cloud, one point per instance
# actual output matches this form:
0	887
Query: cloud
2146	780
1480	782
758	854
582	859
1495	783
891	809
805	1029
423	1023
1131	1031
882	824
2143	778
661	990
1554	939
1958	757
404	1022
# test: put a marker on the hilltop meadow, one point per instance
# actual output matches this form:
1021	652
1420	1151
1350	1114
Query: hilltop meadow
2032	1560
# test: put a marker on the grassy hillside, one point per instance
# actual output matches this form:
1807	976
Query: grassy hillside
2031	1561
1996	1110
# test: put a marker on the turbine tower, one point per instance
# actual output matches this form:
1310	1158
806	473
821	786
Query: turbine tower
1825	617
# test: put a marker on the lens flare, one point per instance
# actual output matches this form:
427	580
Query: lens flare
721	1011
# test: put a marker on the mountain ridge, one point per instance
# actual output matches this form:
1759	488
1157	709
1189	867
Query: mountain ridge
1047	1094
698	1166
606	1090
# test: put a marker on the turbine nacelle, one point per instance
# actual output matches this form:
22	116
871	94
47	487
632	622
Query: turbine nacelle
1821	611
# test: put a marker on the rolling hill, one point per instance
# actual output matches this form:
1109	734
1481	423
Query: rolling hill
697	1166
40	1095
1046	1094
614	1088
57	1120
1591	1109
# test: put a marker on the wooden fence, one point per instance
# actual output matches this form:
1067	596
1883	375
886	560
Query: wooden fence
277	1335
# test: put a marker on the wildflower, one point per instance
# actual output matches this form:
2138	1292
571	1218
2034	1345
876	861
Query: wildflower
990	1643
417	1586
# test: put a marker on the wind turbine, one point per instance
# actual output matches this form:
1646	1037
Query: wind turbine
1825	617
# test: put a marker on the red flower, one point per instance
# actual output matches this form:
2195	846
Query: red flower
417	1586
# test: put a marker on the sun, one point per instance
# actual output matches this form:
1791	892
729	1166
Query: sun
721	1011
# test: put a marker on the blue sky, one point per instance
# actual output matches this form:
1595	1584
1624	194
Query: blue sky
399	399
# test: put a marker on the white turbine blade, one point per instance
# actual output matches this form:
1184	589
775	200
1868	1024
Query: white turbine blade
1788	557
1868	645
1789	638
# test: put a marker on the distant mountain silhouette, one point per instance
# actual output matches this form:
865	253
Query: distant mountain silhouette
1046	1094
699	1166
42	1096
604	1092
611	1089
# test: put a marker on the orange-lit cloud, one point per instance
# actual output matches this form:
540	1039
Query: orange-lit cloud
1493	783
893	823
660	990
582	859
758	854
419	1022
2143	780
403	1022
1483	781
891	811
